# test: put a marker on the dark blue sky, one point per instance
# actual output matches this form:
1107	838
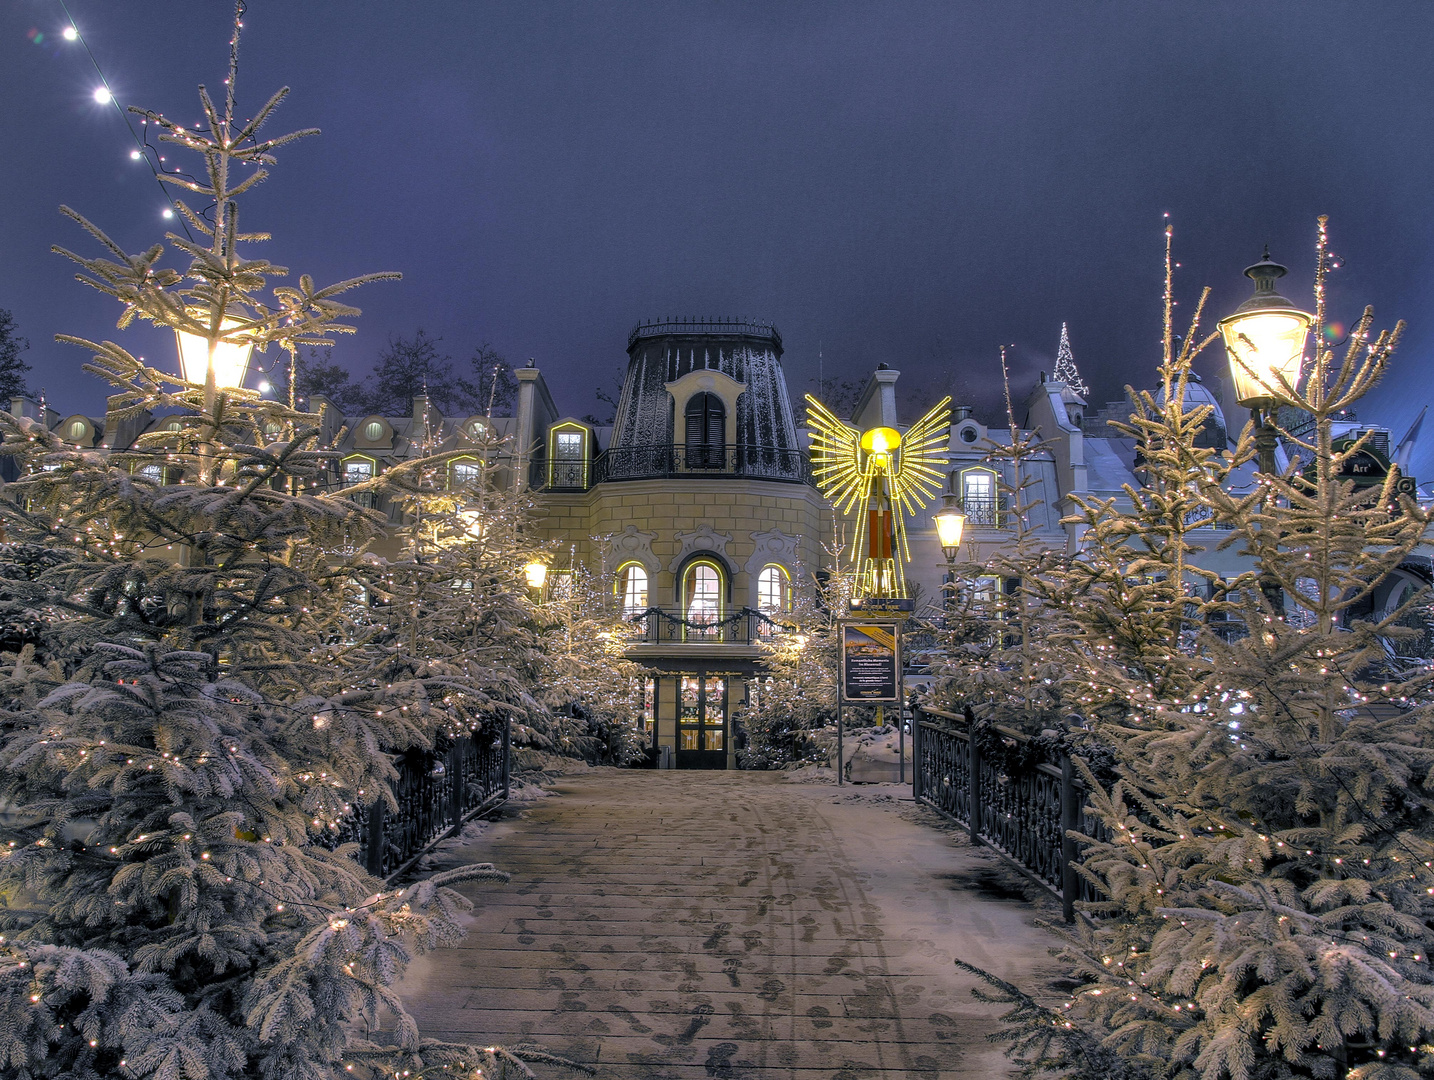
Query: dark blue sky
904	182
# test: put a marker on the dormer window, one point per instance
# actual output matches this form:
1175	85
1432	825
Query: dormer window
78	430
706	431
373	431
568	457
466	472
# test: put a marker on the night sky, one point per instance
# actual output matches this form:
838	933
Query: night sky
909	183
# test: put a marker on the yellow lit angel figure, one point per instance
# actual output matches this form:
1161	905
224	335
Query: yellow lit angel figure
881	477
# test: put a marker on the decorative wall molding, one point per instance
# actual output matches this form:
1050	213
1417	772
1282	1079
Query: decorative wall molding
631	545
773	546
704	539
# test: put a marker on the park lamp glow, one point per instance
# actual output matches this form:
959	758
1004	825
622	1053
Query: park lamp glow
231	358
1264	338
950	524
473	523
536	572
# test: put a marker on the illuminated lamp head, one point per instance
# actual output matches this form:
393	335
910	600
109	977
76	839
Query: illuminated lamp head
880	440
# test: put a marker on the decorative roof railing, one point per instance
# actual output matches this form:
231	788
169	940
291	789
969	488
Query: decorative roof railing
665	327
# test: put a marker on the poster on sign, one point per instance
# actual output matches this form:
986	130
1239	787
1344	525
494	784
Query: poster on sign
870	662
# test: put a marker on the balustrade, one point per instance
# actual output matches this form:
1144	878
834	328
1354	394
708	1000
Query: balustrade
1027	817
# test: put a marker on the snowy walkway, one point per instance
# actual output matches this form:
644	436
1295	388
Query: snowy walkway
733	926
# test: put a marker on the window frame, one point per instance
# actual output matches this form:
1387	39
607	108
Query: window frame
973	519
688	573
566	428
621	590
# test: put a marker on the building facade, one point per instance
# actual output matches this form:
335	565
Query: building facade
697	507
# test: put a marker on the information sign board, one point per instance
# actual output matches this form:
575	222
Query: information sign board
870	661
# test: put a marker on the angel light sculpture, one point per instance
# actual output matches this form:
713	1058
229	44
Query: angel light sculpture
881	477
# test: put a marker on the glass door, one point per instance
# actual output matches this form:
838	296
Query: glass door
702	721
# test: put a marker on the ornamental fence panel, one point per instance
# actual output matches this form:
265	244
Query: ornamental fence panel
1025	815
437	791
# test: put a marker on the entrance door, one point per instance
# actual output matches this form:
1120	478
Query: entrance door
702	722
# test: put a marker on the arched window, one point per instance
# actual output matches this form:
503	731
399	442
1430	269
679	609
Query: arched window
773	595
706	431
631	589
702	597
373	431
978	495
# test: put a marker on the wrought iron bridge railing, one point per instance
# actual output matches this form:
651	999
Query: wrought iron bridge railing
658	627
1026	816
437	791
667	460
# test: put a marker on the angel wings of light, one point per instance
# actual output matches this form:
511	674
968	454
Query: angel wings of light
878	473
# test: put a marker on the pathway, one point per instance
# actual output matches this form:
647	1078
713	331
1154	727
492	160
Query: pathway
734	926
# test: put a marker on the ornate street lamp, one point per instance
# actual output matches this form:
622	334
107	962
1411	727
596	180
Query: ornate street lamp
1265	341
536	572
230	360
950	524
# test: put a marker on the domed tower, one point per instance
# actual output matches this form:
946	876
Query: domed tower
710	395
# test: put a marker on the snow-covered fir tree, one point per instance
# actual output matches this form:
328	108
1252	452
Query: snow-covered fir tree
195	700
1266	852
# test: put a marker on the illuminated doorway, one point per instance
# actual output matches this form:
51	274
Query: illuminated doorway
702	721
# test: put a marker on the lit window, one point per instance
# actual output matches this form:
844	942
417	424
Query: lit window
357	471
702	595
465	473
772	595
153	473
78	429
978	494
986	597
569	468
632	589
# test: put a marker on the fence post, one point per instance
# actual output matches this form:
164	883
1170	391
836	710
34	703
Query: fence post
455	782
1070	815
507	757
373	857
916	752
973	784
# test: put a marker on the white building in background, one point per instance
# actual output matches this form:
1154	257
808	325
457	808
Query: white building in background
696	506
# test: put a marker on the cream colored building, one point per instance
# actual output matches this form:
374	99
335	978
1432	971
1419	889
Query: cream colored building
697	507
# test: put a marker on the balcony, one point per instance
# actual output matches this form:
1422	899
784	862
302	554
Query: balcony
983	511
667	461
658	626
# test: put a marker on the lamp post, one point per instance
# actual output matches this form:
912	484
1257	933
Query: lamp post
1265	341
950	524
536	573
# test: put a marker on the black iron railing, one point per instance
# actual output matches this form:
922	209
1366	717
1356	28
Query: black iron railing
658	627
668	327
668	460
437	791
1027	816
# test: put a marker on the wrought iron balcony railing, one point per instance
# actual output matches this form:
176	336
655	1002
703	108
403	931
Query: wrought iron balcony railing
746	626
666	460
